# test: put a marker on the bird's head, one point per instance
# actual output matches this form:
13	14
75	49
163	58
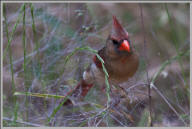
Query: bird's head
118	39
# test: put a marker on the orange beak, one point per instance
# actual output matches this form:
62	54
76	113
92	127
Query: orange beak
125	46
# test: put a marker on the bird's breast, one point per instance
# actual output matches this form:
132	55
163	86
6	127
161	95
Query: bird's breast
119	69
123	68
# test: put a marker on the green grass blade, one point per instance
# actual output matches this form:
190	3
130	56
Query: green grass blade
11	67
167	62
38	95
36	42
24	61
13	31
176	42
58	107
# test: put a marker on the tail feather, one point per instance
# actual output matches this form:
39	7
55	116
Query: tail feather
85	88
80	91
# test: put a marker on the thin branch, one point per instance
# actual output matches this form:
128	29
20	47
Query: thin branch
113	117
167	62
146	60
166	101
23	122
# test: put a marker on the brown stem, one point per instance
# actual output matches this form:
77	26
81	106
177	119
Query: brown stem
146	60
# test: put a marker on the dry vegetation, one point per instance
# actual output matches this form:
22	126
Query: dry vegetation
43	52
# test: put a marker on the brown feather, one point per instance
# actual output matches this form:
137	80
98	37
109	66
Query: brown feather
118	32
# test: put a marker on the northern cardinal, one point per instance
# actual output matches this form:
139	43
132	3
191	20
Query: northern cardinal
121	62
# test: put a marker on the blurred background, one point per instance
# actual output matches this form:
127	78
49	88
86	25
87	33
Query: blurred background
40	56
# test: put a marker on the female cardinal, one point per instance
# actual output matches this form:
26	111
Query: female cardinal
121	62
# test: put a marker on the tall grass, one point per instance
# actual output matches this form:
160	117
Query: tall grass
11	67
37	59
176	40
13	31
163	66
56	109
104	70
24	63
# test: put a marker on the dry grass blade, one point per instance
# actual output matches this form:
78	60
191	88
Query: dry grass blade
181	54
170	106
23	122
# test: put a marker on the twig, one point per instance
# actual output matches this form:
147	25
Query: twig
167	62
146	60
97	124
166	101
117	120
23	122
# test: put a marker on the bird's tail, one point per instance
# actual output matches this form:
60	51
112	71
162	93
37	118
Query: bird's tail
80	91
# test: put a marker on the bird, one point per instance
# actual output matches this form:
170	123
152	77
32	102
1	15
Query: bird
120	60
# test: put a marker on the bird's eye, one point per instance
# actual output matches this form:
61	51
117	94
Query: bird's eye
115	42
